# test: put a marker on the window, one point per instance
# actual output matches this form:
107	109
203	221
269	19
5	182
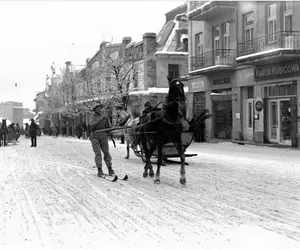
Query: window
173	70
250	93
226	36
287	15
199	45
216	45
216	34
272	14
95	65
287	5
248	30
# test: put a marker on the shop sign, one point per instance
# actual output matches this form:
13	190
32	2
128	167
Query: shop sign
279	70
221	98
225	80
259	106
198	86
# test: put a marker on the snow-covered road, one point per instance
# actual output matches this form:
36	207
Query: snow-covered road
241	197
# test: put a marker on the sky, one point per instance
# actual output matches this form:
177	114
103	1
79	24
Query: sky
35	34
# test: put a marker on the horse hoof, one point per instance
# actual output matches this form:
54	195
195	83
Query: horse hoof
182	181
157	181
145	175
127	157
151	174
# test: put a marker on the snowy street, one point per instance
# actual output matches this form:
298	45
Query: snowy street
237	196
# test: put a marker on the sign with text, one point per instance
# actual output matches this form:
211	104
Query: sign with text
224	80
279	70
198	86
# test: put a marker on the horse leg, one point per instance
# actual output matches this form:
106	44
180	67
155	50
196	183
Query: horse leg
146	151
127	148
152	148
159	161
179	147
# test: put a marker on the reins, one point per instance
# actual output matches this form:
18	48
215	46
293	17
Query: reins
128	127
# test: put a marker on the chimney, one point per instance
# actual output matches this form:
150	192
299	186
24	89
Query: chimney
125	41
149	44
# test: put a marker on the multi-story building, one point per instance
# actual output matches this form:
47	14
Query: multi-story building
164	55
244	68
13	111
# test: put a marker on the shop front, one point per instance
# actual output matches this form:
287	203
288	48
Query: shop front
279	111
279	87
221	106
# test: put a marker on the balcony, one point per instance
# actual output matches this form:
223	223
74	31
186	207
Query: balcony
211	10
279	46
221	59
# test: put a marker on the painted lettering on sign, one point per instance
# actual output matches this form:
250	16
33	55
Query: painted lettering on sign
225	80
278	70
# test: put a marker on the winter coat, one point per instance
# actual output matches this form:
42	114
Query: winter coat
99	122
33	129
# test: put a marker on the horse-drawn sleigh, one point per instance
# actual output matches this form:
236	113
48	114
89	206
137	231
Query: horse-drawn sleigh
163	133
169	150
8	134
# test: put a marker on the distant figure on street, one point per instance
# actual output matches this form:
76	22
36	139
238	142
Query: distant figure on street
32	131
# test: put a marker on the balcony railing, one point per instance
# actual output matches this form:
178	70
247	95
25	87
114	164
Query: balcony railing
282	39
213	58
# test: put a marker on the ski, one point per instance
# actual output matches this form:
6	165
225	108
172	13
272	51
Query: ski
113	178
109	178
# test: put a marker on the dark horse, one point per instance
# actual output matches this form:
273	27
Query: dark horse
3	133
161	127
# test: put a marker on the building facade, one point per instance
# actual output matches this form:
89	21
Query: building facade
244	68
164	55
13	111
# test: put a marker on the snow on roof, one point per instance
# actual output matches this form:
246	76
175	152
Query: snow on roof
211	67
197	9
154	91
178	53
262	53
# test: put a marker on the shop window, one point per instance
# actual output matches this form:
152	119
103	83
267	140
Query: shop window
281	89
250	93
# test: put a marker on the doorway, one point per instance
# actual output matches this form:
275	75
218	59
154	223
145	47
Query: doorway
250	119
280	121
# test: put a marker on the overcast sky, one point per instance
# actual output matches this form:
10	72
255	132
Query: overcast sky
36	33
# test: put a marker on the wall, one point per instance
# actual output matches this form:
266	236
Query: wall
162	68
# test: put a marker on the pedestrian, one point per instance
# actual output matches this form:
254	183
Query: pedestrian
33	131
84	131
121	120
99	140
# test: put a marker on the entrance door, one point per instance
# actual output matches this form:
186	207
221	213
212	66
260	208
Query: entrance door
285	122
249	119
273	121
280	121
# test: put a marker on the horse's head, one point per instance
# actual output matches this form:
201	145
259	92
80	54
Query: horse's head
3	123
175	107
176	90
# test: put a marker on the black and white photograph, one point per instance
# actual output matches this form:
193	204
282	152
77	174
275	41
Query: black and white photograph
149	125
